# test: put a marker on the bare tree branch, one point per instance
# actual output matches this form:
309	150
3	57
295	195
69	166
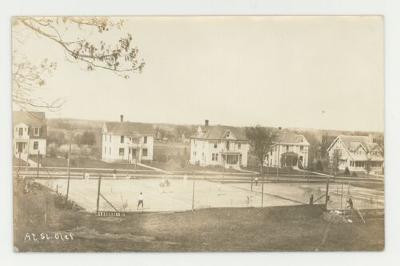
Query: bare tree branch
121	58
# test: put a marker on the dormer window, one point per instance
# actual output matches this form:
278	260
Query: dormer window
36	131
122	139
20	131
228	134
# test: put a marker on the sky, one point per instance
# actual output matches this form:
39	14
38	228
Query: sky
308	72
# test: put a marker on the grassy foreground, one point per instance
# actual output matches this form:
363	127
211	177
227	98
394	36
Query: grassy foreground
40	221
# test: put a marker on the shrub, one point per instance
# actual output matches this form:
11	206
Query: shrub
354	174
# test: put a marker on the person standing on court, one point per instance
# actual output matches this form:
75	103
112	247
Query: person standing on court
350	203
140	201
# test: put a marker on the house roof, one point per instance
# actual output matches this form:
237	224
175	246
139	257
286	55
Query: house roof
33	119
353	143
129	128
219	132
292	138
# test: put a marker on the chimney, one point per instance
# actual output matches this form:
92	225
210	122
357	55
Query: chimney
206	123
121	118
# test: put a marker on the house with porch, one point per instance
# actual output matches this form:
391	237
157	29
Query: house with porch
29	134
219	146
127	141
355	152
288	150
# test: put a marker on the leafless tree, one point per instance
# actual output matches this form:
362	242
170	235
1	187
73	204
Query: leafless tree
121	57
261	139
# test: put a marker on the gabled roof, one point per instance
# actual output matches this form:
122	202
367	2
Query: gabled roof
291	138
219	132
353	143
33	119
128	128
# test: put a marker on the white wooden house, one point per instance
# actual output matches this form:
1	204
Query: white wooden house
355	152
29	134
219	146
127	141
289	150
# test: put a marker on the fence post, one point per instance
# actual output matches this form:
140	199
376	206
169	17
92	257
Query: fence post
341	198
327	193
193	194
262	193
37	163
69	166
98	195
19	163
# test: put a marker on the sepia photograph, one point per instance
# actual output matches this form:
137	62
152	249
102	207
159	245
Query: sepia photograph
198	133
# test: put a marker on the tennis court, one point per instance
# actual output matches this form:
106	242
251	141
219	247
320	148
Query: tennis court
181	194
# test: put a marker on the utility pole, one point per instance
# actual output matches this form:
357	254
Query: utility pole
262	185
19	162
277	168
98	195
327	188
193	195
69	165
37	163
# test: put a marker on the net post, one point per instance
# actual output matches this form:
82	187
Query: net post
193	195
98	195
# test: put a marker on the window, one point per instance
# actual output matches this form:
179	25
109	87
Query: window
215	145
36	131
287	147
110	137
20	131
144	152
239	145
216	156
213	157
35	145
121	151
109	150
301	148
122	139
145	139
227	145
194	153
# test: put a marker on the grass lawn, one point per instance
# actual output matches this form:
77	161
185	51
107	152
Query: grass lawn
220	229
86	163
378	186
173	165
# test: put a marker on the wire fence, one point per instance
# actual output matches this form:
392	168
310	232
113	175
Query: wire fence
108	190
